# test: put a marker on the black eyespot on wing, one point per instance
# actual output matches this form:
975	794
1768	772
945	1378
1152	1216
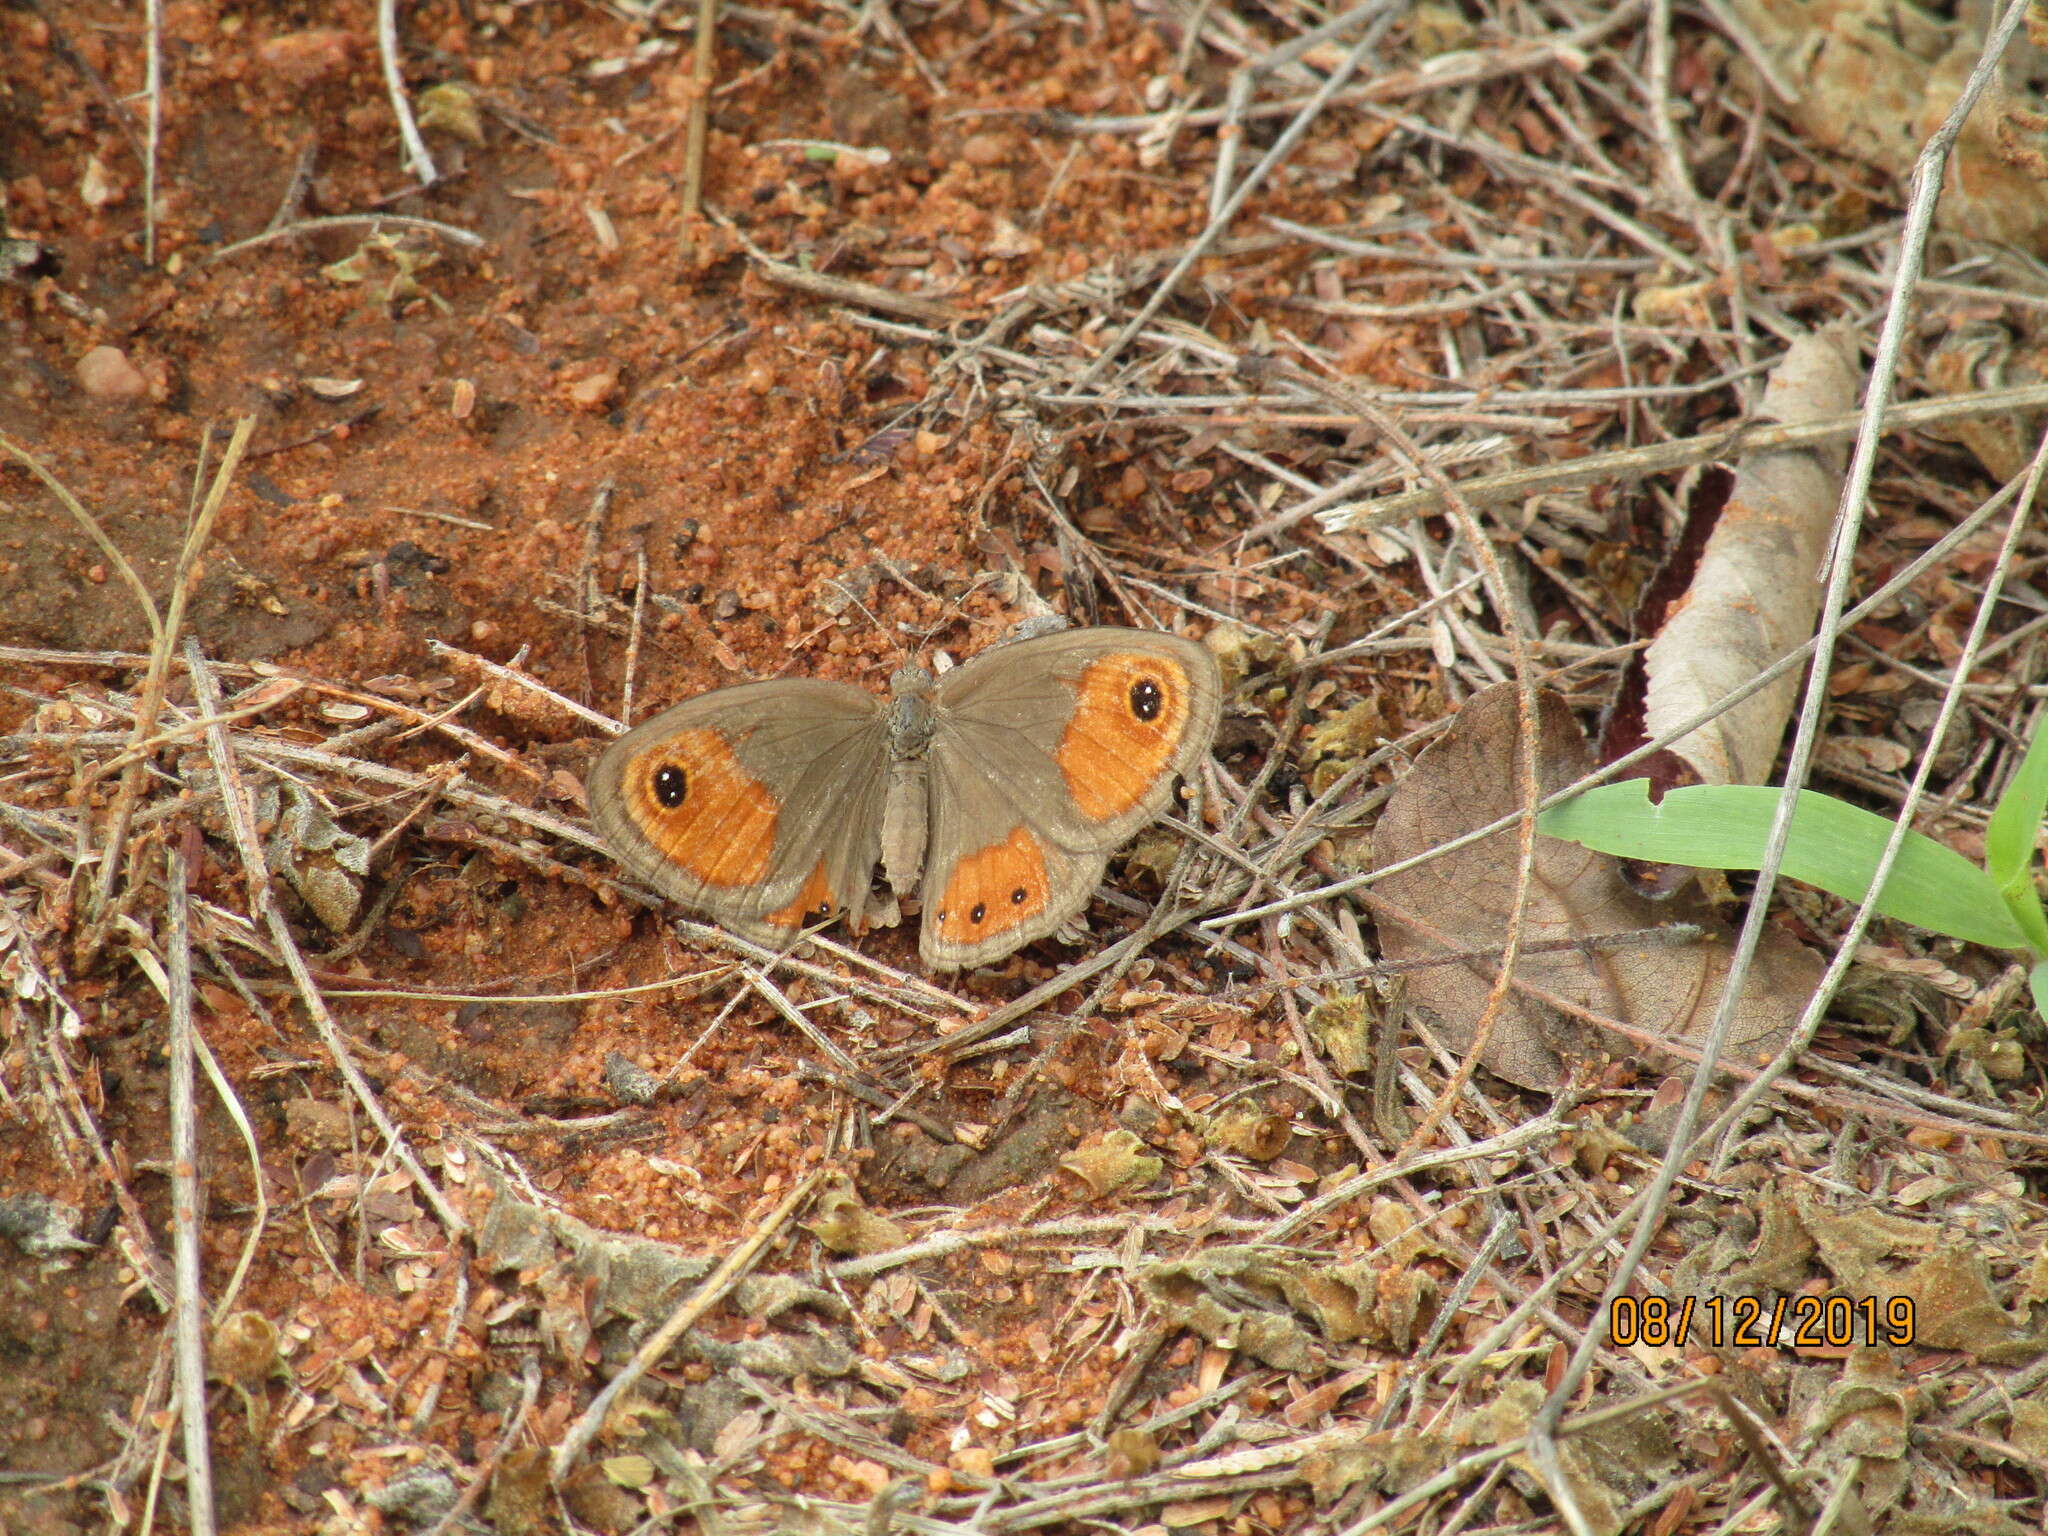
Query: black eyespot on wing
1019	896
671	785
1147	699
980	911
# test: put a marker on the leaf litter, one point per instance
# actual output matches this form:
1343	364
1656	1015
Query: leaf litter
1055	357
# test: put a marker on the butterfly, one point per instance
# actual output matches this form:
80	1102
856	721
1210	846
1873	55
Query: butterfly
994	793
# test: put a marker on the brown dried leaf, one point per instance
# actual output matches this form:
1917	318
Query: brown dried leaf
1869	1411
1112	1160
1250	1131
1591	1481
1955	1305
844	1225
1753	596
1467	779
518	1502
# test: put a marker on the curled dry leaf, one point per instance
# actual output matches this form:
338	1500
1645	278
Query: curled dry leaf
1461	901
1110	1161
844	1225
1234	1297
453	109
1250	1131
1342	1026
41	1227
1869	1411
1755	592
244	1348
324	864
1605	1473
1929	1279
614	1275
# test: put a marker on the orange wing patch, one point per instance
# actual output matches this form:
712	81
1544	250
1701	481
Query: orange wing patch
701	810
814	901
993	890
1132	713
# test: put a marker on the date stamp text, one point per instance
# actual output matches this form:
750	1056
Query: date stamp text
1761	1322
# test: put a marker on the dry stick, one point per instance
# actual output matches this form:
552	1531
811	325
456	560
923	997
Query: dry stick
649	1355
377	221
1677	175
1927	174
1230	132
151	697
161	980
700	111
263	897
500	670
74	1118
855	295
232	1103
155	88
417	160
633	644
187	1310
1659	458
1846	946
1220	221
589	601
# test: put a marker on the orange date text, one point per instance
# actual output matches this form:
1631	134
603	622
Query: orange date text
1761	1322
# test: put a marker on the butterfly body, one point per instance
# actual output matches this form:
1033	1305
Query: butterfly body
995	794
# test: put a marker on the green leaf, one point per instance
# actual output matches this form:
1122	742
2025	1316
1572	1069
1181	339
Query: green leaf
1833	845
2009	840
2037	979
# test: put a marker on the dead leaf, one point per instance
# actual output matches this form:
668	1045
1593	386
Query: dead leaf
1753	595
1507	1418
1250	1131
1467	779
1869	1411
844	1225
1110	1161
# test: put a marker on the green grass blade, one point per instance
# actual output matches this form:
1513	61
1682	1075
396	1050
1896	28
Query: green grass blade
2016	823
1833	845
2037	981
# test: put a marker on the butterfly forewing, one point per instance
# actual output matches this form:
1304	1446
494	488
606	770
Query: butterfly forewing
1085	731
746	801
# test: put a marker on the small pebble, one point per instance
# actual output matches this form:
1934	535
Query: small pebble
986	150
106	374
591	386
306	58
629	1082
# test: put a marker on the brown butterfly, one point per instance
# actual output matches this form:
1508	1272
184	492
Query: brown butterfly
995	793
